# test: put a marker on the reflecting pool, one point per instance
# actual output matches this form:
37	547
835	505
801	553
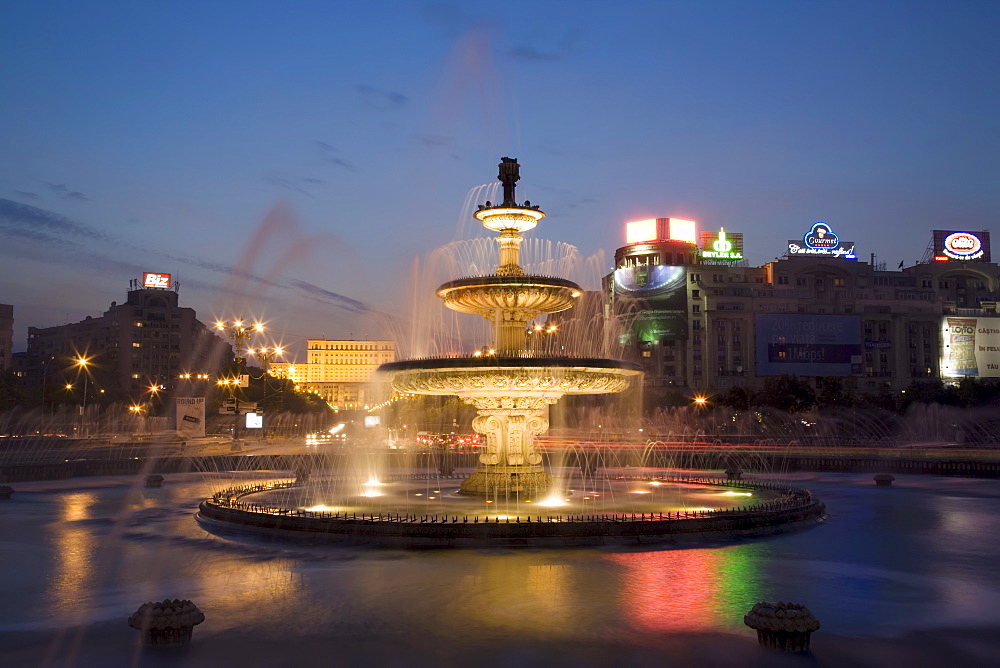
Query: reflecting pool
915	561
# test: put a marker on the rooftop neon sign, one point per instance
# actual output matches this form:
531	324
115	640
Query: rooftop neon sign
722	246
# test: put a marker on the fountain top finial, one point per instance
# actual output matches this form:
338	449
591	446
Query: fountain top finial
509	176
509	215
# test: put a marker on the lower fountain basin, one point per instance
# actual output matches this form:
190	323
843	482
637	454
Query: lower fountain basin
627	510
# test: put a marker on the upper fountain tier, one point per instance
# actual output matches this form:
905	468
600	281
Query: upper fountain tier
509	298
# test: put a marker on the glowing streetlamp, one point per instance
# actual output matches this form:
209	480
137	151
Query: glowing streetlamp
82	362
266	355
240	332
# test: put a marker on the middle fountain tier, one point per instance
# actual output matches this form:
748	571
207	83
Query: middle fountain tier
511	387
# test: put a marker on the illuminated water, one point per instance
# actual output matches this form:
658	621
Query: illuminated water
80	555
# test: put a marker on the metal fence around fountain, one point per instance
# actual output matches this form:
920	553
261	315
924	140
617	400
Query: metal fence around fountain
793	499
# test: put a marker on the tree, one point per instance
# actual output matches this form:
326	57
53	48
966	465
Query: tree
832	391
739	397
787	393
12	390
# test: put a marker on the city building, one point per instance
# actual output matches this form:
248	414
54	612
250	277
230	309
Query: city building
149	340
338	371
700	319
6	336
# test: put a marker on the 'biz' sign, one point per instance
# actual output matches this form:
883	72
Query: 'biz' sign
151	280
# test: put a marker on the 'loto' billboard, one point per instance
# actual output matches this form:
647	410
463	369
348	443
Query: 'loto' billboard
971	347
808	345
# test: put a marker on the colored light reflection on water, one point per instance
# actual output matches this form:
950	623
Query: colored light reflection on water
919	555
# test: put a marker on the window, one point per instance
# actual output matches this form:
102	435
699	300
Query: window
696	294
136	344
839	282
696	308
782	280
695	278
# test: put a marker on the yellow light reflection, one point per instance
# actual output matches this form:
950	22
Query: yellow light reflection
76	547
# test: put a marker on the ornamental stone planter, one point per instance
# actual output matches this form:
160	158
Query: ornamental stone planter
783	626
154	480
883	479
6	491
169	622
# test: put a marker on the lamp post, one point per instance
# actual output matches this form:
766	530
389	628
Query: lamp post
240	332
82	363
45	376
265	355
136	411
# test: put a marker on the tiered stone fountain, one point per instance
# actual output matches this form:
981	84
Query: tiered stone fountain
510	387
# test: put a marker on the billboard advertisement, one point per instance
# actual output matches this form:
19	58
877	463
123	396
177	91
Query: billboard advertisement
820	240
961	246
659	295
808	345
722	246
190	417
971	347
155	280
660	229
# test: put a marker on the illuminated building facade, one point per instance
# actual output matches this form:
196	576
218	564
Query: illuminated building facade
706	322
338	371
147	340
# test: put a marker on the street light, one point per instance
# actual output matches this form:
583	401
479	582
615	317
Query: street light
240	332
82	363
266	355
45	375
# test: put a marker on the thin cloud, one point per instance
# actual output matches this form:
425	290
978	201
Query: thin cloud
77	196
380	99
287	185
329	154
45	227
321	294
18	214
25	193
530	53
434	141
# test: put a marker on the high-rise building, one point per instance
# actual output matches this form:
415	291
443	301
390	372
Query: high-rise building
149	340
6	335
701	319
338	371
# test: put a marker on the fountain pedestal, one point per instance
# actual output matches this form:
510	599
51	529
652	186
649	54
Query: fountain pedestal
510	464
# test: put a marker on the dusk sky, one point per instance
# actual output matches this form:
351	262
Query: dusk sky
292	160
